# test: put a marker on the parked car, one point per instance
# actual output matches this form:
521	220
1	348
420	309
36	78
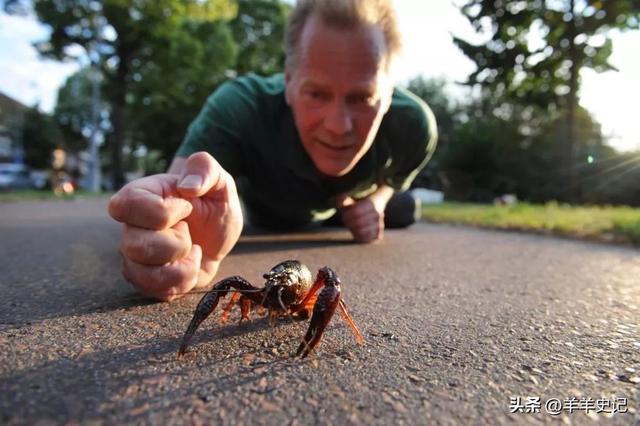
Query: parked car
14	176
40	179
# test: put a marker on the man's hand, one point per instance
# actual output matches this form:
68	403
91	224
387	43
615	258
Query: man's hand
177	227
365	217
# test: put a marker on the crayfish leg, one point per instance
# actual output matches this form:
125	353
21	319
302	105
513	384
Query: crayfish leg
227	309
245	308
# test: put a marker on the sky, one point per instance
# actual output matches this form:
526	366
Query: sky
428	50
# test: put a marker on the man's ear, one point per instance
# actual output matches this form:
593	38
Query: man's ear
287	85
389	84
387	98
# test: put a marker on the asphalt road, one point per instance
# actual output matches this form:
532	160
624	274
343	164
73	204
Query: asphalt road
459	324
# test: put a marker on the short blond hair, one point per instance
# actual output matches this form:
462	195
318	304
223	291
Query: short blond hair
344	14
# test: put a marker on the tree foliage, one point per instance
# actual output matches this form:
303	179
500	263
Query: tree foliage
174	79
170	95
159	59
258	30
40	136
538	47
446	112
120	37
73	110
492	147
535	52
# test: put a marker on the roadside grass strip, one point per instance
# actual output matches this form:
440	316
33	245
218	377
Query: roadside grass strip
600	223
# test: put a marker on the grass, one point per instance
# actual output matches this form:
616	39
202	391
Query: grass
601	223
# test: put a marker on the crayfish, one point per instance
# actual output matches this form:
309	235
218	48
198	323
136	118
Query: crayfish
289	290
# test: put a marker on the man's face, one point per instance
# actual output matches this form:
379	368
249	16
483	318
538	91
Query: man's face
339	91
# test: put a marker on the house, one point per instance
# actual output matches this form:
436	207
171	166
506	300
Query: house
11	117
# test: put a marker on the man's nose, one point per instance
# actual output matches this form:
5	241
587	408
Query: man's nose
338	119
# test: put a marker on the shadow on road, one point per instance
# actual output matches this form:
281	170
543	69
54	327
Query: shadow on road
82	274
136	379
257	240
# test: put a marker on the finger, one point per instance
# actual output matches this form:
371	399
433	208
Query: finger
368	235
151	203
364	228
149	247
166	282
360	207
202	175
354	220
344	201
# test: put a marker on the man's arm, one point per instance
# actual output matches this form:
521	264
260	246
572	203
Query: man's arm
413	129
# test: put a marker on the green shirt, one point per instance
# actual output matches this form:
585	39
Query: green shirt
247	126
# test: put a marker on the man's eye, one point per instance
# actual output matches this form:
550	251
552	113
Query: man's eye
316	94
363	99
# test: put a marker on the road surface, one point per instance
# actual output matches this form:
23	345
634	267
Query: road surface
462	326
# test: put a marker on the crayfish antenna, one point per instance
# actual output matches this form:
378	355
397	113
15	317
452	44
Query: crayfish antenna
347	318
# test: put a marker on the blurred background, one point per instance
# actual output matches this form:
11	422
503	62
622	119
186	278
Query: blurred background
535	99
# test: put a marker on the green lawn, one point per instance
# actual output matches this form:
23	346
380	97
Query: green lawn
613	224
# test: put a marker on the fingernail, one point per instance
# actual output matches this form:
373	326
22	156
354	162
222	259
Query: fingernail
190	182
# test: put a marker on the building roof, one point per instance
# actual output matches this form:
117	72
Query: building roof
9	105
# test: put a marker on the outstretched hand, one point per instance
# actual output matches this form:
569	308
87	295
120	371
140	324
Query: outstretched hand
177	227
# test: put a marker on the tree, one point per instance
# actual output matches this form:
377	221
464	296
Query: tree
160	59
119	35
433	92
73	110
483	159
258	30
173	80
492	146
40	136
538	47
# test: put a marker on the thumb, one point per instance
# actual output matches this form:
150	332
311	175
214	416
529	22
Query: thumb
343	201
201	175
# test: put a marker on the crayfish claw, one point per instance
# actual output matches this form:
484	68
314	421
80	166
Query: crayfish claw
209	302
324	307
323	311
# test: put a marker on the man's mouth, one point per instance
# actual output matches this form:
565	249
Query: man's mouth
335	148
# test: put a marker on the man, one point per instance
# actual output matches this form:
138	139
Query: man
331	133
